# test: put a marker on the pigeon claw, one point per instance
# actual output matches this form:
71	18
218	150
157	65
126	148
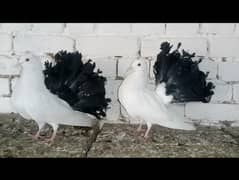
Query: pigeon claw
36	136
49	141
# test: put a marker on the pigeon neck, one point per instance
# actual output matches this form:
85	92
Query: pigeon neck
33	77
137	79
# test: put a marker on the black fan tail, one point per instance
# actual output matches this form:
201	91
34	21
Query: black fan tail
77	83
182	75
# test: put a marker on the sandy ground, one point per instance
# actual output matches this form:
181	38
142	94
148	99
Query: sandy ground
115	140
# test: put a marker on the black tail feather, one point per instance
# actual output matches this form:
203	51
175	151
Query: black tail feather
182	76
77	83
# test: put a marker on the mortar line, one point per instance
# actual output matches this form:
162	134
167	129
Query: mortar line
217	75
165	29
74	45
64	28
200	28
31	26
184	109
117	67
95	27
131	27
13	43
150	63
232	97
10	85
208	47
234	29
139	43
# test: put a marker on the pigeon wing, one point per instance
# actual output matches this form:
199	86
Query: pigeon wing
49	108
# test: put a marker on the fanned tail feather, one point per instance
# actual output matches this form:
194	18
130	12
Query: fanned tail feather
182	76
77	83
161	92
179	122
79	119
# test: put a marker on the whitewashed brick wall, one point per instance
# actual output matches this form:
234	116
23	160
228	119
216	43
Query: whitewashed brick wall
218	43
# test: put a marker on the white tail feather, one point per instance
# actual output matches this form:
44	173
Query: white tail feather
177	121
79	119
161	92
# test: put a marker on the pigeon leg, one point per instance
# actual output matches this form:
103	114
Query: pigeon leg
51	139
149	125
40	126
140	126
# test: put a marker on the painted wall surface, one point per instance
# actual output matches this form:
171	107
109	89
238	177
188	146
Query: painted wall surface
217	43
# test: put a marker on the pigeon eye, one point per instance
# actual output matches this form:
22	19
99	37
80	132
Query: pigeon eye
27	59
139	64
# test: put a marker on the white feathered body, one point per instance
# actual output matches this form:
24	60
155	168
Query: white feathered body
34	101
18	100
147	105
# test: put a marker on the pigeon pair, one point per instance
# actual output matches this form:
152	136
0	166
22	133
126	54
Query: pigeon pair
44	98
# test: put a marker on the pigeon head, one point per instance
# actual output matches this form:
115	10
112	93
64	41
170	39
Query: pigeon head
30	61
139	65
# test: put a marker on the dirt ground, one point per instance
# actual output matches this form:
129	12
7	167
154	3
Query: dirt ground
115	140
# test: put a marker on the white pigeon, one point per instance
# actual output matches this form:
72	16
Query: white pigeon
147	105
32	100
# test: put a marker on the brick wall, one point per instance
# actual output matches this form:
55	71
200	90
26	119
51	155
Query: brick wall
218	43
